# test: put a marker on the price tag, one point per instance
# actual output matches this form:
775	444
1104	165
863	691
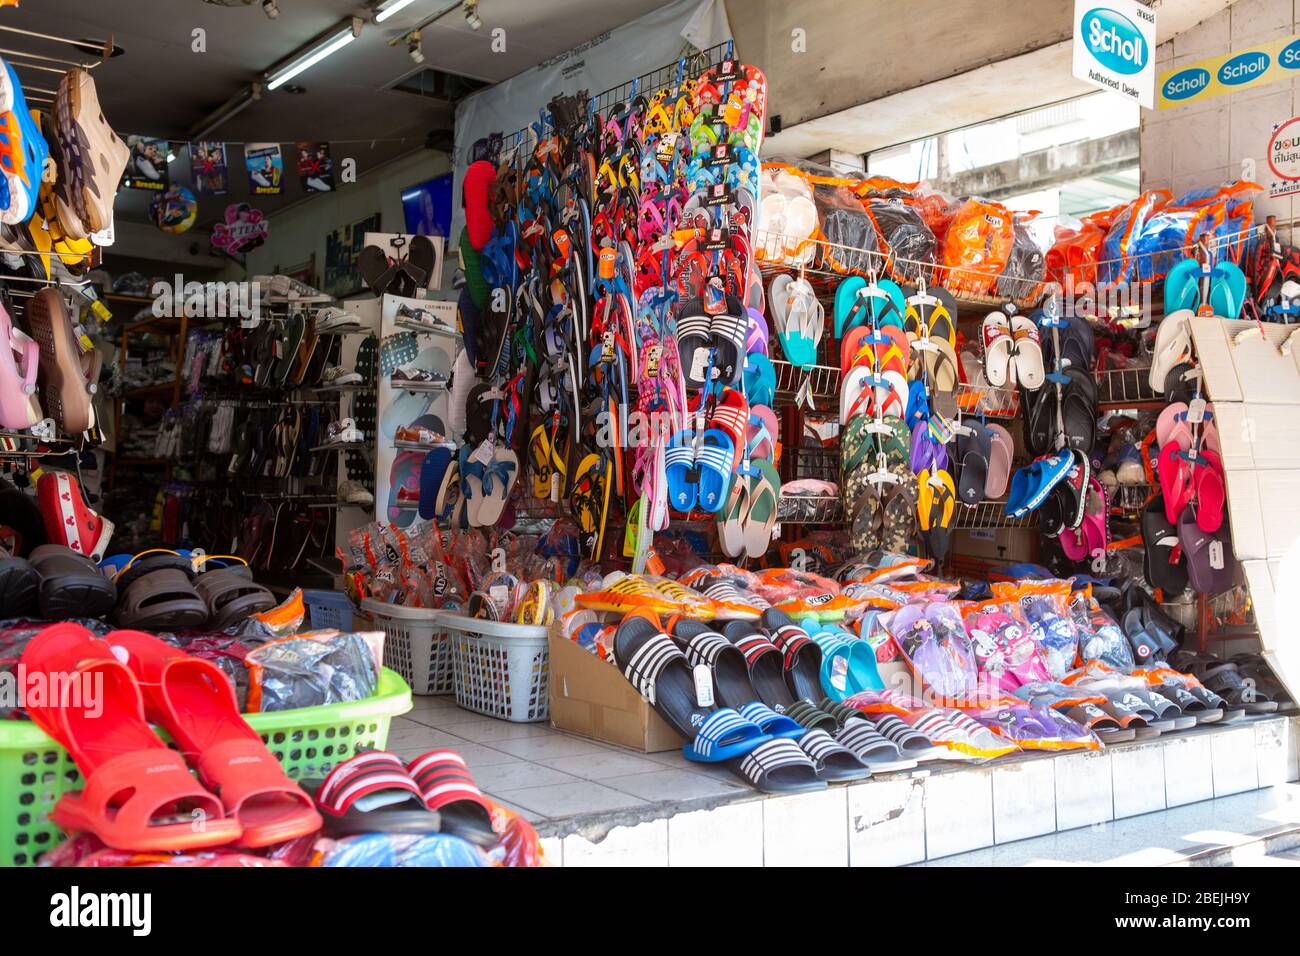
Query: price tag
1215	552
498	560
717	240
667	146
703	685
1196	411
699	363
653	355
718	195
499	594
607	347
100	311
484	452
555	486
719	155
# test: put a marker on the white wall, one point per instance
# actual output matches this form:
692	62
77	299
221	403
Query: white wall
299	231
1203	144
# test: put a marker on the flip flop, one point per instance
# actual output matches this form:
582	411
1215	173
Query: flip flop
1211	567
432	471
760	519
134	783
194	701
1001	453
974	451
1210	493
1228	290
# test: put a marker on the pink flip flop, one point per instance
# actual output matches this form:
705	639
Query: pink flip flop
1175	480
1002	451
1211	496
1172	426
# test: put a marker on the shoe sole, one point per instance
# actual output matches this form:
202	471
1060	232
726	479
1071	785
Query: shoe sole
95	144
62	379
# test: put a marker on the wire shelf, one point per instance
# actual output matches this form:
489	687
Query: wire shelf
1126	387
1127	499
987	516
825	382
809	509
819	463
993	402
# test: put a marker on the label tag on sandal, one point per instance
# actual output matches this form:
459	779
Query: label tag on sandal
703	685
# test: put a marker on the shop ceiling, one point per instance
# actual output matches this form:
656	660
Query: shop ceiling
945	65
158	86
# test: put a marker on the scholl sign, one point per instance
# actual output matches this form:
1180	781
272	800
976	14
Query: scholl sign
1114	41
1243	68
1289	57
1185	84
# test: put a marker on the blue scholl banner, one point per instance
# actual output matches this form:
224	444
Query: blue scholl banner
1115	48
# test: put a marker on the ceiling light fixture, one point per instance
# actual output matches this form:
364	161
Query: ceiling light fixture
270	9
226	112
389	7
471	14
413	46
313	53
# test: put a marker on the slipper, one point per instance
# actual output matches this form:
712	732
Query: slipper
802	657
1173	345
760	518
1031	485
1211	567
995	335
1228	290
1027	353
1160	546
974	451
911	743
373	792
1002	451
779	766
20	585
759	379
715	462
134	783
704	646
682	475
834	762
943	376
1172	426
164	599
193	700
811	717
850	309
1175	473
848	665
448	790
70	584
495	482
724	735
231	594
936	501
777	725
1209	491
655	666
872	748
1079	410
432	470
765	663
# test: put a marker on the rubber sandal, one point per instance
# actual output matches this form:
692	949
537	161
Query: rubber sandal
802	658
232	595
1211	567
702	645
1001	453
995	336
654	665
760	517
162	600
193	700
834	762
1027	353
66	392
974	451
811	717
871	747
373	792
911	743
1160	546
724	735
772	723
70	584
779	766
765	663
1209	491
444	781
715	463
138	794
20	586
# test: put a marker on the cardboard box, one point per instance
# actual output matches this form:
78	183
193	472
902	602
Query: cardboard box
592	698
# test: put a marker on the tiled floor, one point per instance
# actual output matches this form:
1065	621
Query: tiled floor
545	774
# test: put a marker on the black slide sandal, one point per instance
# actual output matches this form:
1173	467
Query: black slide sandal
20	586
71	584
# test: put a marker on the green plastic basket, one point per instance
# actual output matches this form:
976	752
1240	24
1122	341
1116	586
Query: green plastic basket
35	771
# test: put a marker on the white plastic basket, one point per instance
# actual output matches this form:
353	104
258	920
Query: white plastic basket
416	645
501	669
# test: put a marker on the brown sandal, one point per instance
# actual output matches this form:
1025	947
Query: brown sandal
163	599
68	376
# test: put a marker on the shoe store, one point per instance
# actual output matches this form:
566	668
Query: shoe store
648	433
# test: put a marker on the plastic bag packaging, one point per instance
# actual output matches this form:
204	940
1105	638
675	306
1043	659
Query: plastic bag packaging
401	849
309	671
905	240
1022	277
1117	263
1037	728
936	210
1045	605
976	246
1072	260
787	217
1100	636
280	621
87	850
518	845
1006	654
935	646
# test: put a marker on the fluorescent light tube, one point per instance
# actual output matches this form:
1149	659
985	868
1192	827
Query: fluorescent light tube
389	7
314	54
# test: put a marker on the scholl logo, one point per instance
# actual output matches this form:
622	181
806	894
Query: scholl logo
1114	41
1243	68
1289	58
1186	83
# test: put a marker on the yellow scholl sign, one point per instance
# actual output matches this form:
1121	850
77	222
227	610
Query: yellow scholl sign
1240	70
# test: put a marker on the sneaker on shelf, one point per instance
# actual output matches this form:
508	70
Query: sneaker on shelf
407	376
420	437
422	320
337	375
355	493
343	432
333	319
285	285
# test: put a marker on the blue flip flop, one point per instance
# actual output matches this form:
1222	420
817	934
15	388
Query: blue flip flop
846	304
759	380
1182	286
724	735
715	462
770	722
432	470
679	468
1227	290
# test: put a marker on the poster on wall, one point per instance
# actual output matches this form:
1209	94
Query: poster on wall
174	211
147	167
208	169
265	165
342	250
427	207
1115	48
1284	159
241	230
315	168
